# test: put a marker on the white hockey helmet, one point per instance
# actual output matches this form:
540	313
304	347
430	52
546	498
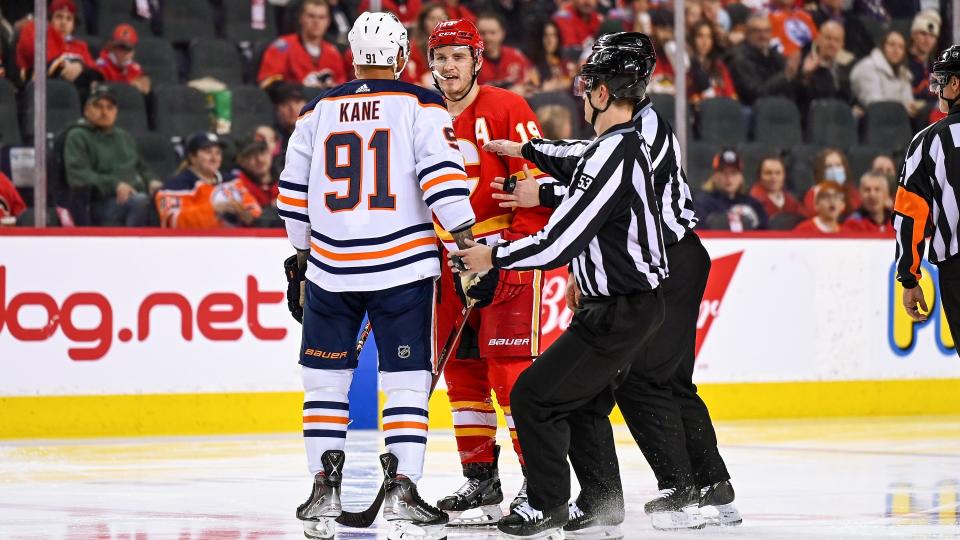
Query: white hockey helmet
376	39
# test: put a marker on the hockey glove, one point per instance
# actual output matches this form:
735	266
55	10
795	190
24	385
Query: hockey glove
296	281
482	290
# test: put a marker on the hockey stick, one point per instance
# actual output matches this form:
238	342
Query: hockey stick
364	519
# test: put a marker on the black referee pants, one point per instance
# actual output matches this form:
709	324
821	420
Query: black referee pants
658	399
561	403
949	278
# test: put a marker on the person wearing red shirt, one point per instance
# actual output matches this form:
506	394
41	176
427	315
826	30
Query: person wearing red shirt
503	338
874	215
708	76
11	204
253	171
503	66
68	58
792	26
405	10
304	58
769	191
830	204
578	22
832	164
116	61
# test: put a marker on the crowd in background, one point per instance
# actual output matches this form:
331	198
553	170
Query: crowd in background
857	51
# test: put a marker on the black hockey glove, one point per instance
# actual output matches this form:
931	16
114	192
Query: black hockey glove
296	276
481	290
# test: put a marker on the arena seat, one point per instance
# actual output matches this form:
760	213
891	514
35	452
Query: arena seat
179	110
158	153
887	125
699	162
237	24
9	126
63	106
722	122
131	108
158	60
216	58
251	108
752	153
830	122
800	168
777	122
186	20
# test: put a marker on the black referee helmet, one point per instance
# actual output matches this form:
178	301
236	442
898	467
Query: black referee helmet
945	66
623	62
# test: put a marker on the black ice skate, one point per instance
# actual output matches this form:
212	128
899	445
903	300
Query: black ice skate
716	505
521	495
675	509
477	502
527	523
588	524
410	517
323	505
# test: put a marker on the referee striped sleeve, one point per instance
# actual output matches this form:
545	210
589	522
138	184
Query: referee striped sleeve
912	207
558	158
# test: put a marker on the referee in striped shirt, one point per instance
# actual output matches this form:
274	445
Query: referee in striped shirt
928	198
608	228
669	421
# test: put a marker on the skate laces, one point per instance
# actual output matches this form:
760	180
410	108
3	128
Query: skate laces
527	512
471	485
575	511
667	492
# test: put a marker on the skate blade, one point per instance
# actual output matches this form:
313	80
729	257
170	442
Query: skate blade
482	516
605	532
724	515
323	528
408	530
688	518
549	534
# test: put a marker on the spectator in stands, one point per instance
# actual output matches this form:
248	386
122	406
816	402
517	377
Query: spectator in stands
578	22
305	57
924	33
662	81
825	68
117	63
341	21
198	197
11	203
503	66
874	214
107	178
884	165
288	101
260	181
724	194
792	27
829	207
831	165
758	70
884	76
551	70
633	15
556	121
405	10
708	76
456	10
769	189
68	58
418	66
858	40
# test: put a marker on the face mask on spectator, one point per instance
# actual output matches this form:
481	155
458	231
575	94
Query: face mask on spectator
835	173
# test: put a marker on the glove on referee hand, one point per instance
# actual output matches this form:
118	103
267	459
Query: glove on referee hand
296	280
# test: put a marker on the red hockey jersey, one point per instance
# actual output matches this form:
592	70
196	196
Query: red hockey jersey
496	114
511	68
286	59
114	72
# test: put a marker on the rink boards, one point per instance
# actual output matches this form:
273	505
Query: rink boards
151	333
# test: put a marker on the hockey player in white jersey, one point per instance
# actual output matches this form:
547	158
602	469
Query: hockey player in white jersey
367	165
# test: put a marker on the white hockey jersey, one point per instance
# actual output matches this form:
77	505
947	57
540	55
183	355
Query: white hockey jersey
367	163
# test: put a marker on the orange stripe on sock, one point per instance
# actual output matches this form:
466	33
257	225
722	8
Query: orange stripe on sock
327	419
405	425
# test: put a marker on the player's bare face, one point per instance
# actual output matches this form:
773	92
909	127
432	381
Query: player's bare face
454	67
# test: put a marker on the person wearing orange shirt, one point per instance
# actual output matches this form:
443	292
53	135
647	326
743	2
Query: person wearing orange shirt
792	26
305	57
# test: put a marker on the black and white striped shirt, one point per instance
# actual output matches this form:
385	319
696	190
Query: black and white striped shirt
608	223
670	182
928	198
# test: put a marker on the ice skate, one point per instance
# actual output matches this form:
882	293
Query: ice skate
323	506
589	525
716	505
675	509
521	495
477	502
410	517
527	523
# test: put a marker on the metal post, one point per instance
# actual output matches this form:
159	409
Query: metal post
680	77
40	113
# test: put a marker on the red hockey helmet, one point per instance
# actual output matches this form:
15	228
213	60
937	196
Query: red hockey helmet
456	32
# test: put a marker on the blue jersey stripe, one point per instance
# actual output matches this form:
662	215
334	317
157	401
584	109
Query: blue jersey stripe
356	242
455	192
432	254
405	410
293	215
404	439
326	405
293	187
438	166
325	433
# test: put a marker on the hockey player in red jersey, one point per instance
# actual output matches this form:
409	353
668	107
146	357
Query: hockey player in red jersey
502	339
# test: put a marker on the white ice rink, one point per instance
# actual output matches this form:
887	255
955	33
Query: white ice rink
824	479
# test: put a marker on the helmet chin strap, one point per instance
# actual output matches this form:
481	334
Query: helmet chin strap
596	111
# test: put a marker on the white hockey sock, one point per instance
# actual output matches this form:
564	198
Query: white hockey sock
326	412
405	418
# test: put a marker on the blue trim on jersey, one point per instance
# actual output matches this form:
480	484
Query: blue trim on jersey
432	254
293	215
455	192
338	405
357	242
438	166
293	187
427	97
387	441
325	433
406	410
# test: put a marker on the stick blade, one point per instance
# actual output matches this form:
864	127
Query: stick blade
363	520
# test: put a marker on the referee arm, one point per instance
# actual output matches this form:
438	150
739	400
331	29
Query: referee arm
911	218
